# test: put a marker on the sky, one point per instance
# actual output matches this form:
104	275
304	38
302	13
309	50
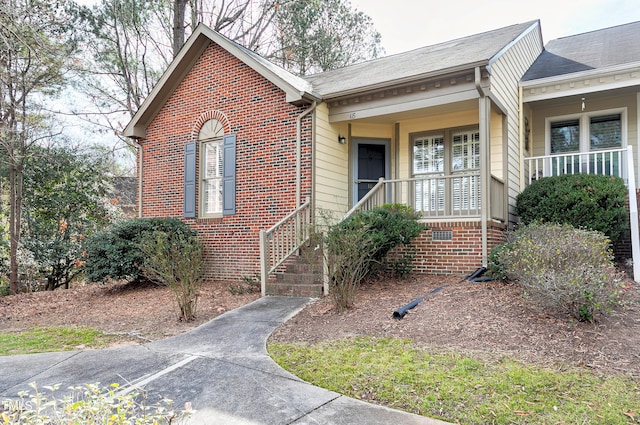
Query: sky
410	24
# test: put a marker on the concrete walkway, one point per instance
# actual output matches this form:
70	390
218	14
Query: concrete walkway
222	368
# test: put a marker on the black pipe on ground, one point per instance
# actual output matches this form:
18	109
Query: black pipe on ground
400	313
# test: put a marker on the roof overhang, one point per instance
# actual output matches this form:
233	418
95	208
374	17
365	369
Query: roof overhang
296	89
578	83
428	91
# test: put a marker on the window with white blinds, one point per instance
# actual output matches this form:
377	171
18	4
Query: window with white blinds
211	163
428	160
212	177
441	164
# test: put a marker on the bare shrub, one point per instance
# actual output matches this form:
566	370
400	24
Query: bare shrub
176	261
562	268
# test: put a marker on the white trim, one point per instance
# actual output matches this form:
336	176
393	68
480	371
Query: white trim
581	75
638	136
584	127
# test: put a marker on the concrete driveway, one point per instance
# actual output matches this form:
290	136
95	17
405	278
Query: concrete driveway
222	368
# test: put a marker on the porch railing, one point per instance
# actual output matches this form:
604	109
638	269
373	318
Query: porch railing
610	162
443	197
283	239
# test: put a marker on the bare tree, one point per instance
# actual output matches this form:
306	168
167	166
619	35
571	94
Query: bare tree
320	35
34	48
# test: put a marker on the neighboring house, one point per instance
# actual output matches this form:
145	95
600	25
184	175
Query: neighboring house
125	190
235	145
581	107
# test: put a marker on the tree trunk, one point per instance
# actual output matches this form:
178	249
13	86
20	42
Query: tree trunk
15	214
179	7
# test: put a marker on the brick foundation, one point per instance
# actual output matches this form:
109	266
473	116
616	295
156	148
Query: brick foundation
461	255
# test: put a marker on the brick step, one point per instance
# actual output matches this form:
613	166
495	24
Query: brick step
300	267
299	278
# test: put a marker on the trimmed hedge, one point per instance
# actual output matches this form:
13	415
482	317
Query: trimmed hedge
593	202
115	252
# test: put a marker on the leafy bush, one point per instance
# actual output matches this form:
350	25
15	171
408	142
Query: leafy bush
590	201
387	227
356	245
175	260
89	404
115	252
562	268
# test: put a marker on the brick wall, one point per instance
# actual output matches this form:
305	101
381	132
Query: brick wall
461	255
221	86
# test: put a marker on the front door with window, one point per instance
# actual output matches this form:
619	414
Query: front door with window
371	163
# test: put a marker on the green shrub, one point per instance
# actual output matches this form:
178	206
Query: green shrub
562	268
175	260
587	201
115	252
387	227
357	245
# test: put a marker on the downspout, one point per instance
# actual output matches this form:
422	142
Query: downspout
485	169
299	150
139	173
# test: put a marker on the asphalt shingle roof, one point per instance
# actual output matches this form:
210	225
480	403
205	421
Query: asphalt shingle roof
430	60
592	50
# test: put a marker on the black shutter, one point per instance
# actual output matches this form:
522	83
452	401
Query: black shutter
229	175
190	180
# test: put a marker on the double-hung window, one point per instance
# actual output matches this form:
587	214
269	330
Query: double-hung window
587	143
211	176
446	166
216	180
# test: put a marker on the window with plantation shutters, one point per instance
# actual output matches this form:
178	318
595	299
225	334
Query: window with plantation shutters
465	153
428	160
217	172
446	168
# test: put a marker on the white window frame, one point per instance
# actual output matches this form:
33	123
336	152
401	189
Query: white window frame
584	120
211	133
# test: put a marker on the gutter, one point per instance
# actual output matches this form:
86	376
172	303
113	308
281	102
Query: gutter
299	149
139	173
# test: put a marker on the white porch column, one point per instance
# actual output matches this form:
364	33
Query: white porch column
484	112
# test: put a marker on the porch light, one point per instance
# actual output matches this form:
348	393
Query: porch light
342	140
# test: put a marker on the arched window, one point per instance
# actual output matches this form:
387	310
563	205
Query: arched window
211	147
216	182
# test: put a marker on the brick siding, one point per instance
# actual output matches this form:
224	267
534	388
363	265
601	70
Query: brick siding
461	255
221	86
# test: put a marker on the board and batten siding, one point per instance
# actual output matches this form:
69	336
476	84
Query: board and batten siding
506	72
331	183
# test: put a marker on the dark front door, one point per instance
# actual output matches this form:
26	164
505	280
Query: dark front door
371	166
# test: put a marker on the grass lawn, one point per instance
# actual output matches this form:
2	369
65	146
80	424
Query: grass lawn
466	389
55	338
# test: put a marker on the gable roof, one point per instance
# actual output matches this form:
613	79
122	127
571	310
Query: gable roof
595	50
295	88
443	58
